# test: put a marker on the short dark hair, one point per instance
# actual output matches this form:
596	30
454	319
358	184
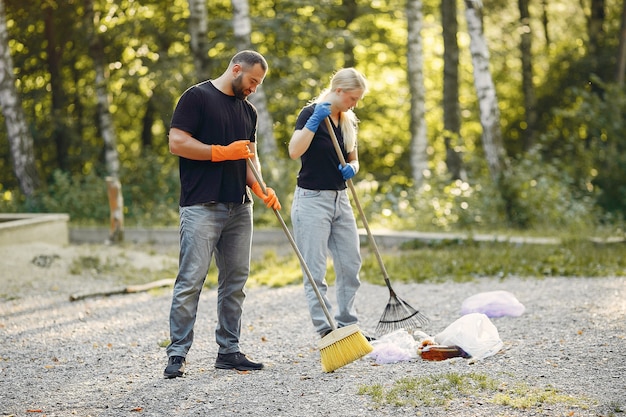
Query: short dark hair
249	58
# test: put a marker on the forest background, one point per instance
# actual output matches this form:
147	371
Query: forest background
492	116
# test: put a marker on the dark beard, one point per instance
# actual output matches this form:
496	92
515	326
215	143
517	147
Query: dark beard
237	90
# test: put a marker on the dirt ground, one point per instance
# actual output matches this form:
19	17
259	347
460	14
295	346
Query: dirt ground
104	356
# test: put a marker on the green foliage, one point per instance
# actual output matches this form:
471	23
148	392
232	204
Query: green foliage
151	190
542	196
575	174
83	197
586	141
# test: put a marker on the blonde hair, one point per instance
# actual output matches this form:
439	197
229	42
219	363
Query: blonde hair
348	79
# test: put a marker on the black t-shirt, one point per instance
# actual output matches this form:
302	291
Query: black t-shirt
214	118
320	163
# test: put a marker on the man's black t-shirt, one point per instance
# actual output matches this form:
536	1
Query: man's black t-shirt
320	162
214	118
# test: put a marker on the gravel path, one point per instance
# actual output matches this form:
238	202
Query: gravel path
102	356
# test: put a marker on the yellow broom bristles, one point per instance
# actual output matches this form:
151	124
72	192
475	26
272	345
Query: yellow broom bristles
342	346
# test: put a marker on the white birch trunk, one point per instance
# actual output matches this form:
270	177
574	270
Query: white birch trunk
198	32
486	92
415	59
266	142
20	140
105	121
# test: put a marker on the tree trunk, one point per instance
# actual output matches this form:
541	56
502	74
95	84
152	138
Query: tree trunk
147	123
105	123
20	140
59	99
495	153
451	107
595	25
621	54
544	22
266	142
198	32
527	75
415	69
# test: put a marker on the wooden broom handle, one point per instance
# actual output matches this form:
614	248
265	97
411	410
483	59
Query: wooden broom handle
295	248
379	258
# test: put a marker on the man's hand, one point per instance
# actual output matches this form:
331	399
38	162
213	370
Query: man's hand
236	150
322	111
269	197
348	171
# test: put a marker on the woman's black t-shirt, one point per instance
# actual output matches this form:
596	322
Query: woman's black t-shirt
214	118
320	163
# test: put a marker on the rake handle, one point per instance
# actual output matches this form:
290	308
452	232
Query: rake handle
355	198
307	272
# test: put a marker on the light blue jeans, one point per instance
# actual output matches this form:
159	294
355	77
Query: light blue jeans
323	222
223	230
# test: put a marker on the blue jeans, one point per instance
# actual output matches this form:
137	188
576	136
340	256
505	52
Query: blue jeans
223	230
323	221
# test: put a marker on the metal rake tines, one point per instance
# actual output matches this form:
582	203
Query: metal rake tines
399	315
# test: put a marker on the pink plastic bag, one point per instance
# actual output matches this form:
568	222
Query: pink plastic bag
394	347
493	304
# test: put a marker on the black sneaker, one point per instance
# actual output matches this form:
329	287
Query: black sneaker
175	367
237	361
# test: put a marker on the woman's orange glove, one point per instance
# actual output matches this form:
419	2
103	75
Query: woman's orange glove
236	150
269	197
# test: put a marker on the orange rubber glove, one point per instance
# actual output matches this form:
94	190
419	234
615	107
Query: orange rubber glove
269	197
236	150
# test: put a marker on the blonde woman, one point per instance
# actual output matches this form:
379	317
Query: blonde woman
323	220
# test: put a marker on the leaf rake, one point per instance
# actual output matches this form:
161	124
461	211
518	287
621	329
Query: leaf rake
398	314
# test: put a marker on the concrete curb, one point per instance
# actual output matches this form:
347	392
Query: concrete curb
383	238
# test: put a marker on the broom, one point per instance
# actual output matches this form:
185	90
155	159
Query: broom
341	346
398	314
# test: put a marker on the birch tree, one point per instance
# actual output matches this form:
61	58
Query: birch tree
105	123
242	28
415	69
486	92
21	141
198	32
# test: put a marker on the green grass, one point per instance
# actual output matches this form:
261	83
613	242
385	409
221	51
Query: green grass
462	261
414	262
440	390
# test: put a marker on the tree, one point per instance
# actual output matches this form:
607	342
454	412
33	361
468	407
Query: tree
487	99
242	29
54	51
20	139
415	73
198	32
450	104
106	124
621	53
528	87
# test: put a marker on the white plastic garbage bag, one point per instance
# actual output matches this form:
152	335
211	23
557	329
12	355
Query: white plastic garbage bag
493	304
474	333
394	347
